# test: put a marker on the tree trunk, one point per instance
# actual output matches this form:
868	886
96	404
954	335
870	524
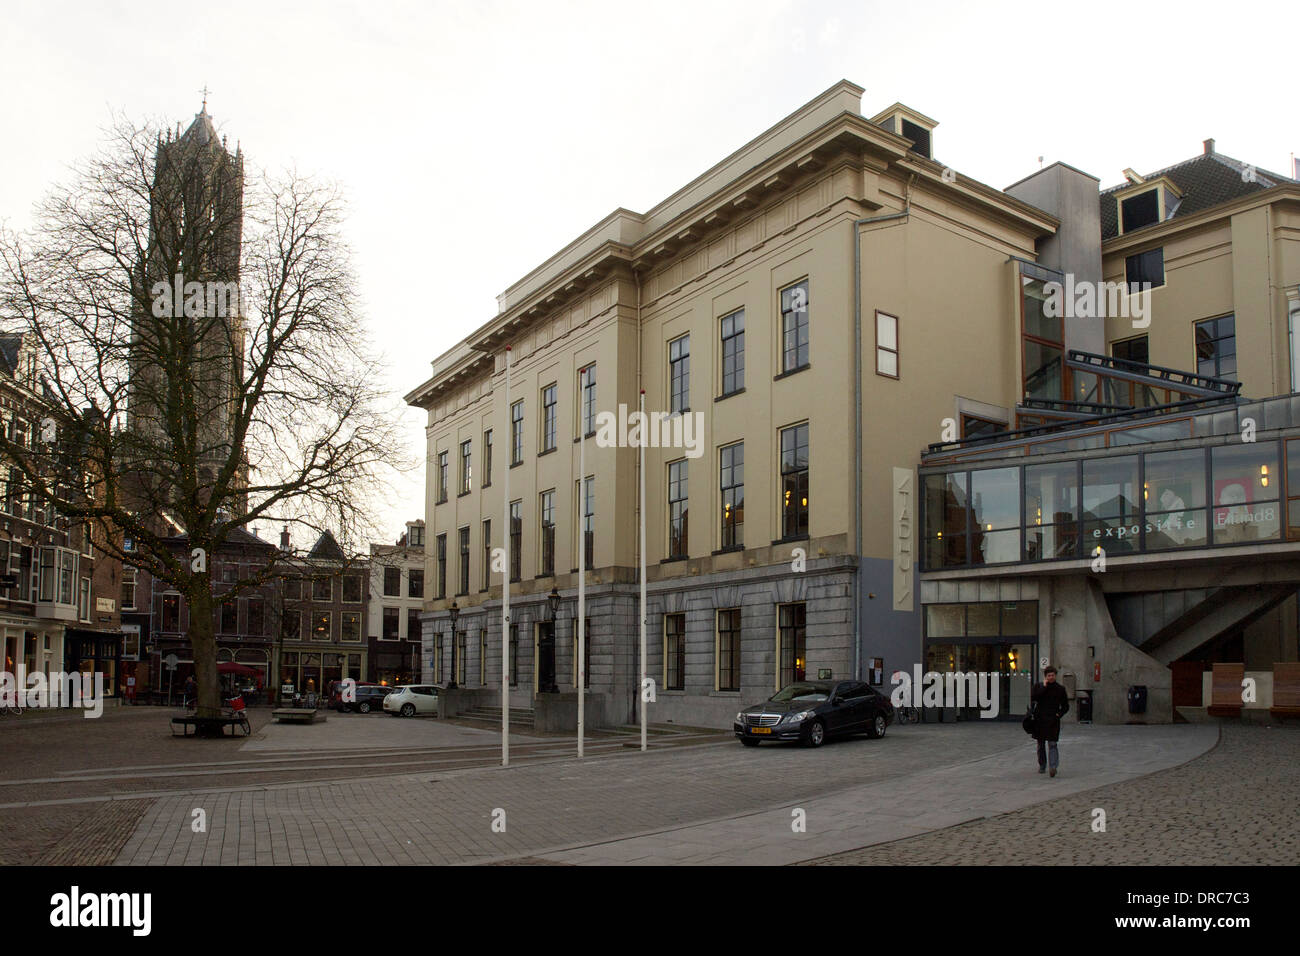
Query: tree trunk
204	644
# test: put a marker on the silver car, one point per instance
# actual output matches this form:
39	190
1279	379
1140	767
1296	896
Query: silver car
412	699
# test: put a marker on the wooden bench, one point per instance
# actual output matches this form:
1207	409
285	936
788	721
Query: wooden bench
1225	690
194	726
297	715
1286	690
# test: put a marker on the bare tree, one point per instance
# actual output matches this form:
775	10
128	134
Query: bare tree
204	360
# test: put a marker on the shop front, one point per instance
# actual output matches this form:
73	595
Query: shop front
394	662
999	638
95	652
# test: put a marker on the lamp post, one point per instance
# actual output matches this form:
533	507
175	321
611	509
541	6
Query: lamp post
455	614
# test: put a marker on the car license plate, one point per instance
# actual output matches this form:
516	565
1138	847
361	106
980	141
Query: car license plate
760	730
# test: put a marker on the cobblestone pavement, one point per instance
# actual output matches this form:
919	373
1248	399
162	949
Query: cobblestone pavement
59	770
717	803
1237	804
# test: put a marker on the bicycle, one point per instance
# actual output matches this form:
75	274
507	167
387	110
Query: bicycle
14	708
907	715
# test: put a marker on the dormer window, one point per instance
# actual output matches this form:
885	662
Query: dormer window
906	122
1145	202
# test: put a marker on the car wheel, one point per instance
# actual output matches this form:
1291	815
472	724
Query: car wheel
877	729
408	710
363	707
748	743
816	734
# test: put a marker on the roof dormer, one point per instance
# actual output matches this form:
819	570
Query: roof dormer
1145	202
910	124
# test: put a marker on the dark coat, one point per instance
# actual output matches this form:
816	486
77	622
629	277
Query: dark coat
1050	705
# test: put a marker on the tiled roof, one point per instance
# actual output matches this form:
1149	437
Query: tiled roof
1206	181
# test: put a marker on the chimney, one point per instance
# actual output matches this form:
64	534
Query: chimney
284	539
1209	147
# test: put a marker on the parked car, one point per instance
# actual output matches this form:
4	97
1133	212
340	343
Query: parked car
412	699
369	697
813	710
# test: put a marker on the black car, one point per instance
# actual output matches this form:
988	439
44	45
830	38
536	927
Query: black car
810	711
369	697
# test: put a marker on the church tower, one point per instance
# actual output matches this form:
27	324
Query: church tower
188	335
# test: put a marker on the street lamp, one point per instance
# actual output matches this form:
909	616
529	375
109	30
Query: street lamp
455	614
553	601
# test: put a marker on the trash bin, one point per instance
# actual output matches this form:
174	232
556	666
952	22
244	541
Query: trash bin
1084	703
1137	699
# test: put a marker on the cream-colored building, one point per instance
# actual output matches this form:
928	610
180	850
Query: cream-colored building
735	302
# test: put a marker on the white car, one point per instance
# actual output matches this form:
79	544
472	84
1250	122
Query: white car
412	699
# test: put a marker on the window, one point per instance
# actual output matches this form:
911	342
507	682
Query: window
546	520
678	509
1145	267
1173	497
293	588
1051	512
1140	210
413	626
516	539
587	403
794	327
392	582
995	515
462	537
487	458
679	374
256	617
440	566
415	583
674	651
461	651
482	656
350	625
465	467
548	417
67	576
230	617
320	626
517	432
1216	347
416	536
391	622
291	625
886	346
728	649
46	576
442	477
731	478
171	613
352	587
322	589
1246	487
1132	350
794	481
1111	498
587	509
793	647
83	601
229	574
487	555
129	576
1043	339
1293	339
733	352
972	426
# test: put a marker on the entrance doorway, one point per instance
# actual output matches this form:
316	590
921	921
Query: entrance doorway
546	658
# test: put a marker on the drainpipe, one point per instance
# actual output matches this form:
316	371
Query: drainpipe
857	416
632	702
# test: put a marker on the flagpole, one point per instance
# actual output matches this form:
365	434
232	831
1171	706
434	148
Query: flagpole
641	455
505	592
582	553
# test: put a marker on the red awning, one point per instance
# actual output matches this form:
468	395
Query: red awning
229	668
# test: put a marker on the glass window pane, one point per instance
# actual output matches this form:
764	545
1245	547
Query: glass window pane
982	620
945	620
1020	619
1042	371
886	363
1110	487
1037	321
1245	488
1175	480
886	331
995	493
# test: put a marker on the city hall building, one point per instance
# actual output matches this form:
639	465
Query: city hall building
865	345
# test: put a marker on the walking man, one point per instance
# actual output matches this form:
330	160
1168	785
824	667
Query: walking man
1050	705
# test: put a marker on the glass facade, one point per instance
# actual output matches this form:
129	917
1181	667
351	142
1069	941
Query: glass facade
987	638
1130	502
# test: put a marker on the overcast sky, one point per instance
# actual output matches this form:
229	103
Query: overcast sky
473	140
